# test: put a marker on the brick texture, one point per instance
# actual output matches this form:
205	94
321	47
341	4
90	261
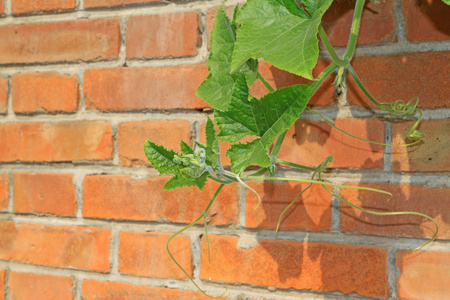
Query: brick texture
402	77
81	40
137	252
161	88
55	246
312	211
426	20
40	287
423	275
2	8
171	35
429	201
309	143
28	6
132	136
44	193
431	154
2	284
50	92
64	141
3	95
4	191
128	198
288	264
109	3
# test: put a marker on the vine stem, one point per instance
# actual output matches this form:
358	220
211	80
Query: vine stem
354	30
336	59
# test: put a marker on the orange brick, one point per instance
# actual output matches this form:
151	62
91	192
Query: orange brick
56	246
431	154
172	35
109	3
132	136
144	88
403	77
105	290
2	10
3	95
145	254
2	284
39	287
4	191
288	264
426	20
406	197
64	141
312	211
122	197
51	92
377	23
28	6
309	143
46	193
81	40
423	275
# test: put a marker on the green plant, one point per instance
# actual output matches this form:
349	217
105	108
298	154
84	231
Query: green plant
285	35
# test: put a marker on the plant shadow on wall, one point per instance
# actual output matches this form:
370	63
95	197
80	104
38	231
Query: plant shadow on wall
257	128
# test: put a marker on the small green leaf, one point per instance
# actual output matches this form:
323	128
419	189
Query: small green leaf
212	145
182	180
161	158
185	148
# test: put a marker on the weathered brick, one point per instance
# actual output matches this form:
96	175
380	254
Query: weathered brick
123	197
81	40
377	22
44	193
144	88
171	35
55	246
426	20
431	154
288	264
2	284
39	286
132	136
109	3
145	254
105	290
423	275
4	191
3	95
402	77
28	6
51	92
309	143
312	211
52	142
429	201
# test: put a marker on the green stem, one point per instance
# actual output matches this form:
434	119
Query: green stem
266	84
277	147
288	163
336	59
327	72
362	87
354	30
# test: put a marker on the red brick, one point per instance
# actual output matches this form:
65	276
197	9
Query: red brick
132	136
104	290
312	211
309	143
109	3
28	6
123	197
2	284
278	79
288	264
145	254
52	142
406	197
377	23
402	77
39	287
144	88
171	35
4	191
423	275
3	95
426	20
2	7
431	154
55	246
45	193
51	92
81	40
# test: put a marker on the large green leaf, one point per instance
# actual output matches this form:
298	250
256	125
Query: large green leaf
281	33
265	118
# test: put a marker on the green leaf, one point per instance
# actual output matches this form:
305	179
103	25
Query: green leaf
185	148
182	180
446	2
212	145
281	33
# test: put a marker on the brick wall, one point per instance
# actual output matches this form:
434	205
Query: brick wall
83	83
